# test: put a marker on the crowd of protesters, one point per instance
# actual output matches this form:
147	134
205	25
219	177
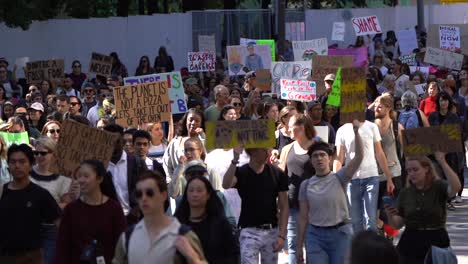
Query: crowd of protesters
164	199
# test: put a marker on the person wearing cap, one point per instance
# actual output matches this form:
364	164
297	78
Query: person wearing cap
315	112
37	118
328	80
252	61
89	100
221	94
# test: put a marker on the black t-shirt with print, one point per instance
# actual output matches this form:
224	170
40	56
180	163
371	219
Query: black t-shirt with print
21	214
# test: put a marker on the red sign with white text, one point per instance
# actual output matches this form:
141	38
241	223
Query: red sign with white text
298	90
366	25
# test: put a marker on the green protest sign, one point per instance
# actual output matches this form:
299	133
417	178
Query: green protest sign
15	138
334	98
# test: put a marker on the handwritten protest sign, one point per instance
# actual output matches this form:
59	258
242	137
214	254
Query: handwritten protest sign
421	88
323	65
246	133
409	59
359	55
207	43
242	59
15	138
176	88
338	31
142	103
407	40
79	142
202	61
269	42
298	90
449	37
366	25
100	64
37	71
297	70
444	58
263	79
353	95
334	98
420	141
423	69
305	50
433	36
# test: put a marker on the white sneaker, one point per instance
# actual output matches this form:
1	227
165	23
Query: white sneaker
458	199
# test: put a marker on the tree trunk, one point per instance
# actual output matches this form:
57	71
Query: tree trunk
122	8
316	4
165	6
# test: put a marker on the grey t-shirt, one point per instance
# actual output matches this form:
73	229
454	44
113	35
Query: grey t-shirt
327	199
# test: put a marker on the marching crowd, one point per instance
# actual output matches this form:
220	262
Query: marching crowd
164	199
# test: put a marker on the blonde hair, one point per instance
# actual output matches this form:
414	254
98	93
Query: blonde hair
46	142
3	152
44	129
200	145
425	162
386	99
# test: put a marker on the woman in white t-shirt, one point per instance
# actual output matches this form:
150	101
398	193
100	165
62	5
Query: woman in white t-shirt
158	141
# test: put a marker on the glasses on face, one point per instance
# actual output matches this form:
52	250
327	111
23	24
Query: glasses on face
236	104
74	103
40	153
53	131
148	192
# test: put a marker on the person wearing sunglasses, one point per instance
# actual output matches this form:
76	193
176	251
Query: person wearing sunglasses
52	129
142	244
238	105
77	76
88	92
144	67
93	222
75	106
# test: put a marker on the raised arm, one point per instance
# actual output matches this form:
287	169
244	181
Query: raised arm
339	160
354	164
229	179
452	178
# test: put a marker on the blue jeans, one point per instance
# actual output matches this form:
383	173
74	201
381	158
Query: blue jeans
364	195
328	245
292	235
49	239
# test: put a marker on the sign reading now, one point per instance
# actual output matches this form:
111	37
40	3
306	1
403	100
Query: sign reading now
366	25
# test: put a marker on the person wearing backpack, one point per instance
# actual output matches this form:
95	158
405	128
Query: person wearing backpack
410	116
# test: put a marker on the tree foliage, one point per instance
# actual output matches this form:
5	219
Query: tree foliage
21	13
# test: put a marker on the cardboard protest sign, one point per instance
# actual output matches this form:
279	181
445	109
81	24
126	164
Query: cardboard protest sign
245	133
423	69
407	40
305	50
176	88
334	98
421	141
323	65
100	64
449	37
79	142
338	31
298	90
433	36
297	70
15	138
201	61
366	25
409	59
269	42
445	58
242	59
353	95
263	79
207	43
142	103
359	55
37	71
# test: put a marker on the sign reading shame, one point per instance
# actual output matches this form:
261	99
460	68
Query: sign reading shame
202	61
79	142
142	103
100	64
420	141
366	25
37	71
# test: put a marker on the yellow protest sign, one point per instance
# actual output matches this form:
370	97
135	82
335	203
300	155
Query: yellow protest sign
353	95
427	140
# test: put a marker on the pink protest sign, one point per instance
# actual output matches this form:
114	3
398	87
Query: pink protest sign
366	25
298	90
359	55
202	61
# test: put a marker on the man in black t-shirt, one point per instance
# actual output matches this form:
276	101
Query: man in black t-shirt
24	206
259	185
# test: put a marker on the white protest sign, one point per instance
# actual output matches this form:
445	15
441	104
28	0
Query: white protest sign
201	61
207	43
409	59
21	62
366	25
423	69
298	90
445	58
296	70
420	88
305	50
449	37
338	31
242	59
322	132
407	40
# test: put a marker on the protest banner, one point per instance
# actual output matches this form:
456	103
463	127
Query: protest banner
423	69
366	25
409	59
323	65
338	31
263	79
176	88
305	50
269	42
421	141
359	55
14	138
245	133
445	58
100	64
433	36
334	98
449	37
297	70
37	71
142	103
242	59
201	61
79	142
353	95
207	43
298	90
407	40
